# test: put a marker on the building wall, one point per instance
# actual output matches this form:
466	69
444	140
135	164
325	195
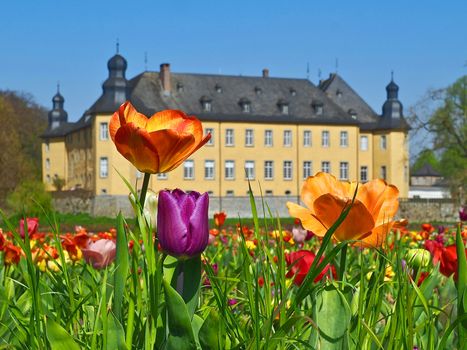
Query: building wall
365	157
54	161
399	159
79	159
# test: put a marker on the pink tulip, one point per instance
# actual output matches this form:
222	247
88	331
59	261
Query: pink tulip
100	253
32	225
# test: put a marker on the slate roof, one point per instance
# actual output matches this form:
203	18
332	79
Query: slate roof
148	97
66	128
426	170
368	119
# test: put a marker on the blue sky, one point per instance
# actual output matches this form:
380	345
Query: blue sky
46	41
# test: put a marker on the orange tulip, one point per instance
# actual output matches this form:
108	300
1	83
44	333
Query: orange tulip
157	144
369	219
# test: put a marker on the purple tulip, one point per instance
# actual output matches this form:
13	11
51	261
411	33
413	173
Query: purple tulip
463	214
182	222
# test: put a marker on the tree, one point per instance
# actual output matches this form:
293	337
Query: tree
30	198
427	156
446	123
58	183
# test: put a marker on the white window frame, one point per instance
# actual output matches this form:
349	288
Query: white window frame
364	143
384	172
103	167
229	137
344	171
189	169
229	170
287	138
269	170
344	139
250	169
211	140
104	131
47	163
162	176
209	168
326	166
249	138
268	138
307	168
363	173
306	138
287	170
383	142
325	138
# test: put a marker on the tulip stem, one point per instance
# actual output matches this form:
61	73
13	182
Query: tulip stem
144	189
342	263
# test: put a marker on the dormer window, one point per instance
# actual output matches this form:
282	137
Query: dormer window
206	103
352	113
283	106
317	107
258	90
218	89
179	87
338	94
245	104
293	92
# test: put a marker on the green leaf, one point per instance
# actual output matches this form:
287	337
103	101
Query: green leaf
188	282
332	316
461	286
115	334
122	263
209	332
58	337
181	334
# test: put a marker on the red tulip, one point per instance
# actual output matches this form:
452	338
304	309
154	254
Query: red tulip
219	218
32	226
446	256
301	262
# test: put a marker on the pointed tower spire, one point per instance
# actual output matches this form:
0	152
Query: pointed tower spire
57	115
392	108
118	46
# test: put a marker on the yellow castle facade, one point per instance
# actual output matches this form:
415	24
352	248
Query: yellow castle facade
273	132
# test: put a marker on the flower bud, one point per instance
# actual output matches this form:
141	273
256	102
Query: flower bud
418	257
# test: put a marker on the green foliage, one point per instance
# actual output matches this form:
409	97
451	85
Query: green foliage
427	156
30	198
58	183
449	125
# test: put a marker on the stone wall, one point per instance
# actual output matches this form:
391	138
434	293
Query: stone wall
415	210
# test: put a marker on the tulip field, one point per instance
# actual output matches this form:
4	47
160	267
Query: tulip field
345	275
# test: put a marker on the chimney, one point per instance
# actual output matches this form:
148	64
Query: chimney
265	73
164	75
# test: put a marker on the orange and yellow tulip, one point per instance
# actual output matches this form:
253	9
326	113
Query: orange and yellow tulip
369	219
157	144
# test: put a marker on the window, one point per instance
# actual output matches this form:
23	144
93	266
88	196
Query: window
383	172
229	193
287	170
47	163
209	169
229	169
288	193
363	173
268	192
344	139
162	176
103	191
188	170
325	138
326	167
207	107
48	178
258	91
268	138
104	167
383	142
104	131
306	138
209	131
250	169
284	109
218	89
364	143
47	146
317	107
287	138
179	87
249	137
229	137
344	171
306	169
268	170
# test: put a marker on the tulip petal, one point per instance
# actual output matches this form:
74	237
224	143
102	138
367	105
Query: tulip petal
358	222
172	230
126	114
135	145
307	219
377	236
390	206
321	183
199	226
177	121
